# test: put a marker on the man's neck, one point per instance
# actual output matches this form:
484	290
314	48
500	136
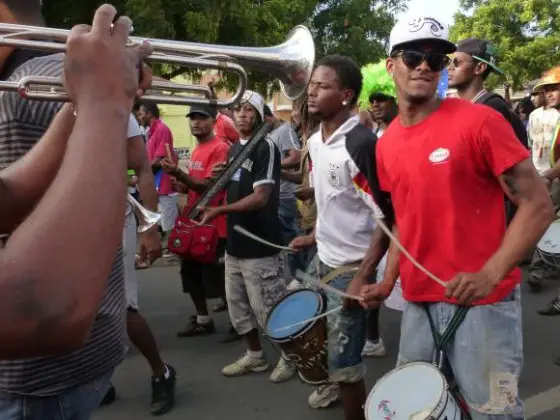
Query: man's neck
470	91
205	138
414	113
329	126
246	136
275	124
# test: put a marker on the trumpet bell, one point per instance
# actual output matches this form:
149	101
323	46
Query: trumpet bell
146	218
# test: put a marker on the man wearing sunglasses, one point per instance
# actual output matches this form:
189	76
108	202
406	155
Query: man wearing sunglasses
446	165
470	66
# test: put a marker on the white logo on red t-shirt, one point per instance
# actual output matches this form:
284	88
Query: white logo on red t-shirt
439	155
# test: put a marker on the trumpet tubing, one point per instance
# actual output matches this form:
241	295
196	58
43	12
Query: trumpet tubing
291	62
52	88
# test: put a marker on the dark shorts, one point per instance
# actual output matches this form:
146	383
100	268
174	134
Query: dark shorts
204	278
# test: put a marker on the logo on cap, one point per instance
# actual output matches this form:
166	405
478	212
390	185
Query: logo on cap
436	28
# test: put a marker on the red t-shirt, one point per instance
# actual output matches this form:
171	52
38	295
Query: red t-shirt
203	158
442	175
225	127
159	136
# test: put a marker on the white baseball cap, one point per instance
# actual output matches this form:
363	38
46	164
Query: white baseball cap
421	28
255	100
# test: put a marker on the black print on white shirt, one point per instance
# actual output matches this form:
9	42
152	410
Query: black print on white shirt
334	177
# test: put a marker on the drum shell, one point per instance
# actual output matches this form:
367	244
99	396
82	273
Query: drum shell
306	349
447	408
548	246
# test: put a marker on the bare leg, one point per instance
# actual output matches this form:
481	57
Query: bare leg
353	398
141	336
253	342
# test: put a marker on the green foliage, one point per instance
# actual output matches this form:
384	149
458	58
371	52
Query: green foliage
526	32
357	28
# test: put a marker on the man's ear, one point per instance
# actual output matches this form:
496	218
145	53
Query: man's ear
390	66
480	68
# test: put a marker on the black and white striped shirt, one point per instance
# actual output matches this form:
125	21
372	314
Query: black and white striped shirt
22	124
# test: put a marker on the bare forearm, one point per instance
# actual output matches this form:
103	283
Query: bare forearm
377	248
26	180
527	227
534	215
252	202
55	265
198	185
292	161
295	177
147	189
553	172
392	267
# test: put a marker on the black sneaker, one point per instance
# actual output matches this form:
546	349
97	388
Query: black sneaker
195	329
110	396
552	309
231	336
163	393
535	287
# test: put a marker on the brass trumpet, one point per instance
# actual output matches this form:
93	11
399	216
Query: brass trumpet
291	62
146	218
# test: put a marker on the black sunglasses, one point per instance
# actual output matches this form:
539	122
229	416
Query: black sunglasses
412	59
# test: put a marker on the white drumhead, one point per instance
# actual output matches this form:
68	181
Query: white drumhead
550	242
411	391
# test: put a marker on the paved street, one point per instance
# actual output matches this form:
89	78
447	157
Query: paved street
204	394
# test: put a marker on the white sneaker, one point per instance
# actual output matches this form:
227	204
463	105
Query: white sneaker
282	372
245	365
372	349
324	395
294	285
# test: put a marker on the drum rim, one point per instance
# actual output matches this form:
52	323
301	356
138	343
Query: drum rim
557	221
549	258
438	409
304	328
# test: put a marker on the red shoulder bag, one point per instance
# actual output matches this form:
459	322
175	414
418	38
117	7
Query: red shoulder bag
197	243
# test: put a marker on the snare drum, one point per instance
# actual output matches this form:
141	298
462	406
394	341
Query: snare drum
304	345
415	391
549	245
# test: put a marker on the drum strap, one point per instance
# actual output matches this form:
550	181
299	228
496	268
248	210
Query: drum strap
331	275
441	340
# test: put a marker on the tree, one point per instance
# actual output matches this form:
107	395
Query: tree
358	28
526	33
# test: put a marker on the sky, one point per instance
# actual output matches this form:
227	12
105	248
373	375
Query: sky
444	9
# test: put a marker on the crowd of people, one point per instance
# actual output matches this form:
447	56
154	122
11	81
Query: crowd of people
376	184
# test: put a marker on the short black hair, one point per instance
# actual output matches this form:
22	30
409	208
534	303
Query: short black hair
487	72
347	71
28	11
380	97
151	107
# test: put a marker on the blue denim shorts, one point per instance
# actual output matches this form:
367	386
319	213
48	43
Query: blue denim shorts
485	354
76	403
346	329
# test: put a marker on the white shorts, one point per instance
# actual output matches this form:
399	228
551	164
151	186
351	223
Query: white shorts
130	247
168	206
395	300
